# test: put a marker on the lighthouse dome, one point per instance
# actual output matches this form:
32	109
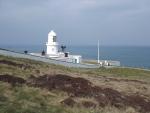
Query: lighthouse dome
52	33
52	37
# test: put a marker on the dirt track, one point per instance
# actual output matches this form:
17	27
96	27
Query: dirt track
80	87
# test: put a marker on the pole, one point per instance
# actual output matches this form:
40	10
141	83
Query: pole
98	53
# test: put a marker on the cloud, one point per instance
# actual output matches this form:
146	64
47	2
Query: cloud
73	8
75	19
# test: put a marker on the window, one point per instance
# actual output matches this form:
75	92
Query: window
52	49
54	38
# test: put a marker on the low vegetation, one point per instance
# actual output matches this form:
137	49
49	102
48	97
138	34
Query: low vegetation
29	86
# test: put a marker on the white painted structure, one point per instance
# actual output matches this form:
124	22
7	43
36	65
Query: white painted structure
52	50
52	45
52	55
76	58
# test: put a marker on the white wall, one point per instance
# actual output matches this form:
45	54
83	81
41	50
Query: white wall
52	49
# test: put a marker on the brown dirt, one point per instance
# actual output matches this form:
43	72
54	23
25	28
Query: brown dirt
73	86
12	79
69	102
80	87
123	85
88	104
140	103
7	62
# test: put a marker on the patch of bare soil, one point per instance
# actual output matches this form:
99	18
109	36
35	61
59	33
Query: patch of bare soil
12	79
88	104
80	87
85	103
69	102
7	62
123	85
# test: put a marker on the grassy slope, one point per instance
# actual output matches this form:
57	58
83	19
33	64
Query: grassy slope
34	100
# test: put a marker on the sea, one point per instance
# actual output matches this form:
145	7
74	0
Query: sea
129	56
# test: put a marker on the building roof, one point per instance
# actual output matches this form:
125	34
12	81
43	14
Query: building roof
52	33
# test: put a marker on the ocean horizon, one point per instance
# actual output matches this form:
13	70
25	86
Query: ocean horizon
130	56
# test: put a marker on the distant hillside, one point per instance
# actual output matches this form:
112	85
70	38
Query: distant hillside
29	86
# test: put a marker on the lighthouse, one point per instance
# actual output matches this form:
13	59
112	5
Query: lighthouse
53	53
52	44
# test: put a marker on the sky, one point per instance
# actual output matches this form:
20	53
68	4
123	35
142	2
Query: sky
76	22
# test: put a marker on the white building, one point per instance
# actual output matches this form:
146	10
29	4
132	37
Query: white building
52	50
52	45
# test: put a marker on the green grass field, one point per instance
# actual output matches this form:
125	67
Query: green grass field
25	99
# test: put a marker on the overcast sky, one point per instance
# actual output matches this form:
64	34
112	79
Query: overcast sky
76	22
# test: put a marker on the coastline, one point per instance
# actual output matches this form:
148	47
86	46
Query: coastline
131	56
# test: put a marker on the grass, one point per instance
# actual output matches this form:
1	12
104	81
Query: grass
34	100
39	68
125	72
24	99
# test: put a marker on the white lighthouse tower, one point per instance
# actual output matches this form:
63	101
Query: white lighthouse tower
52	45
